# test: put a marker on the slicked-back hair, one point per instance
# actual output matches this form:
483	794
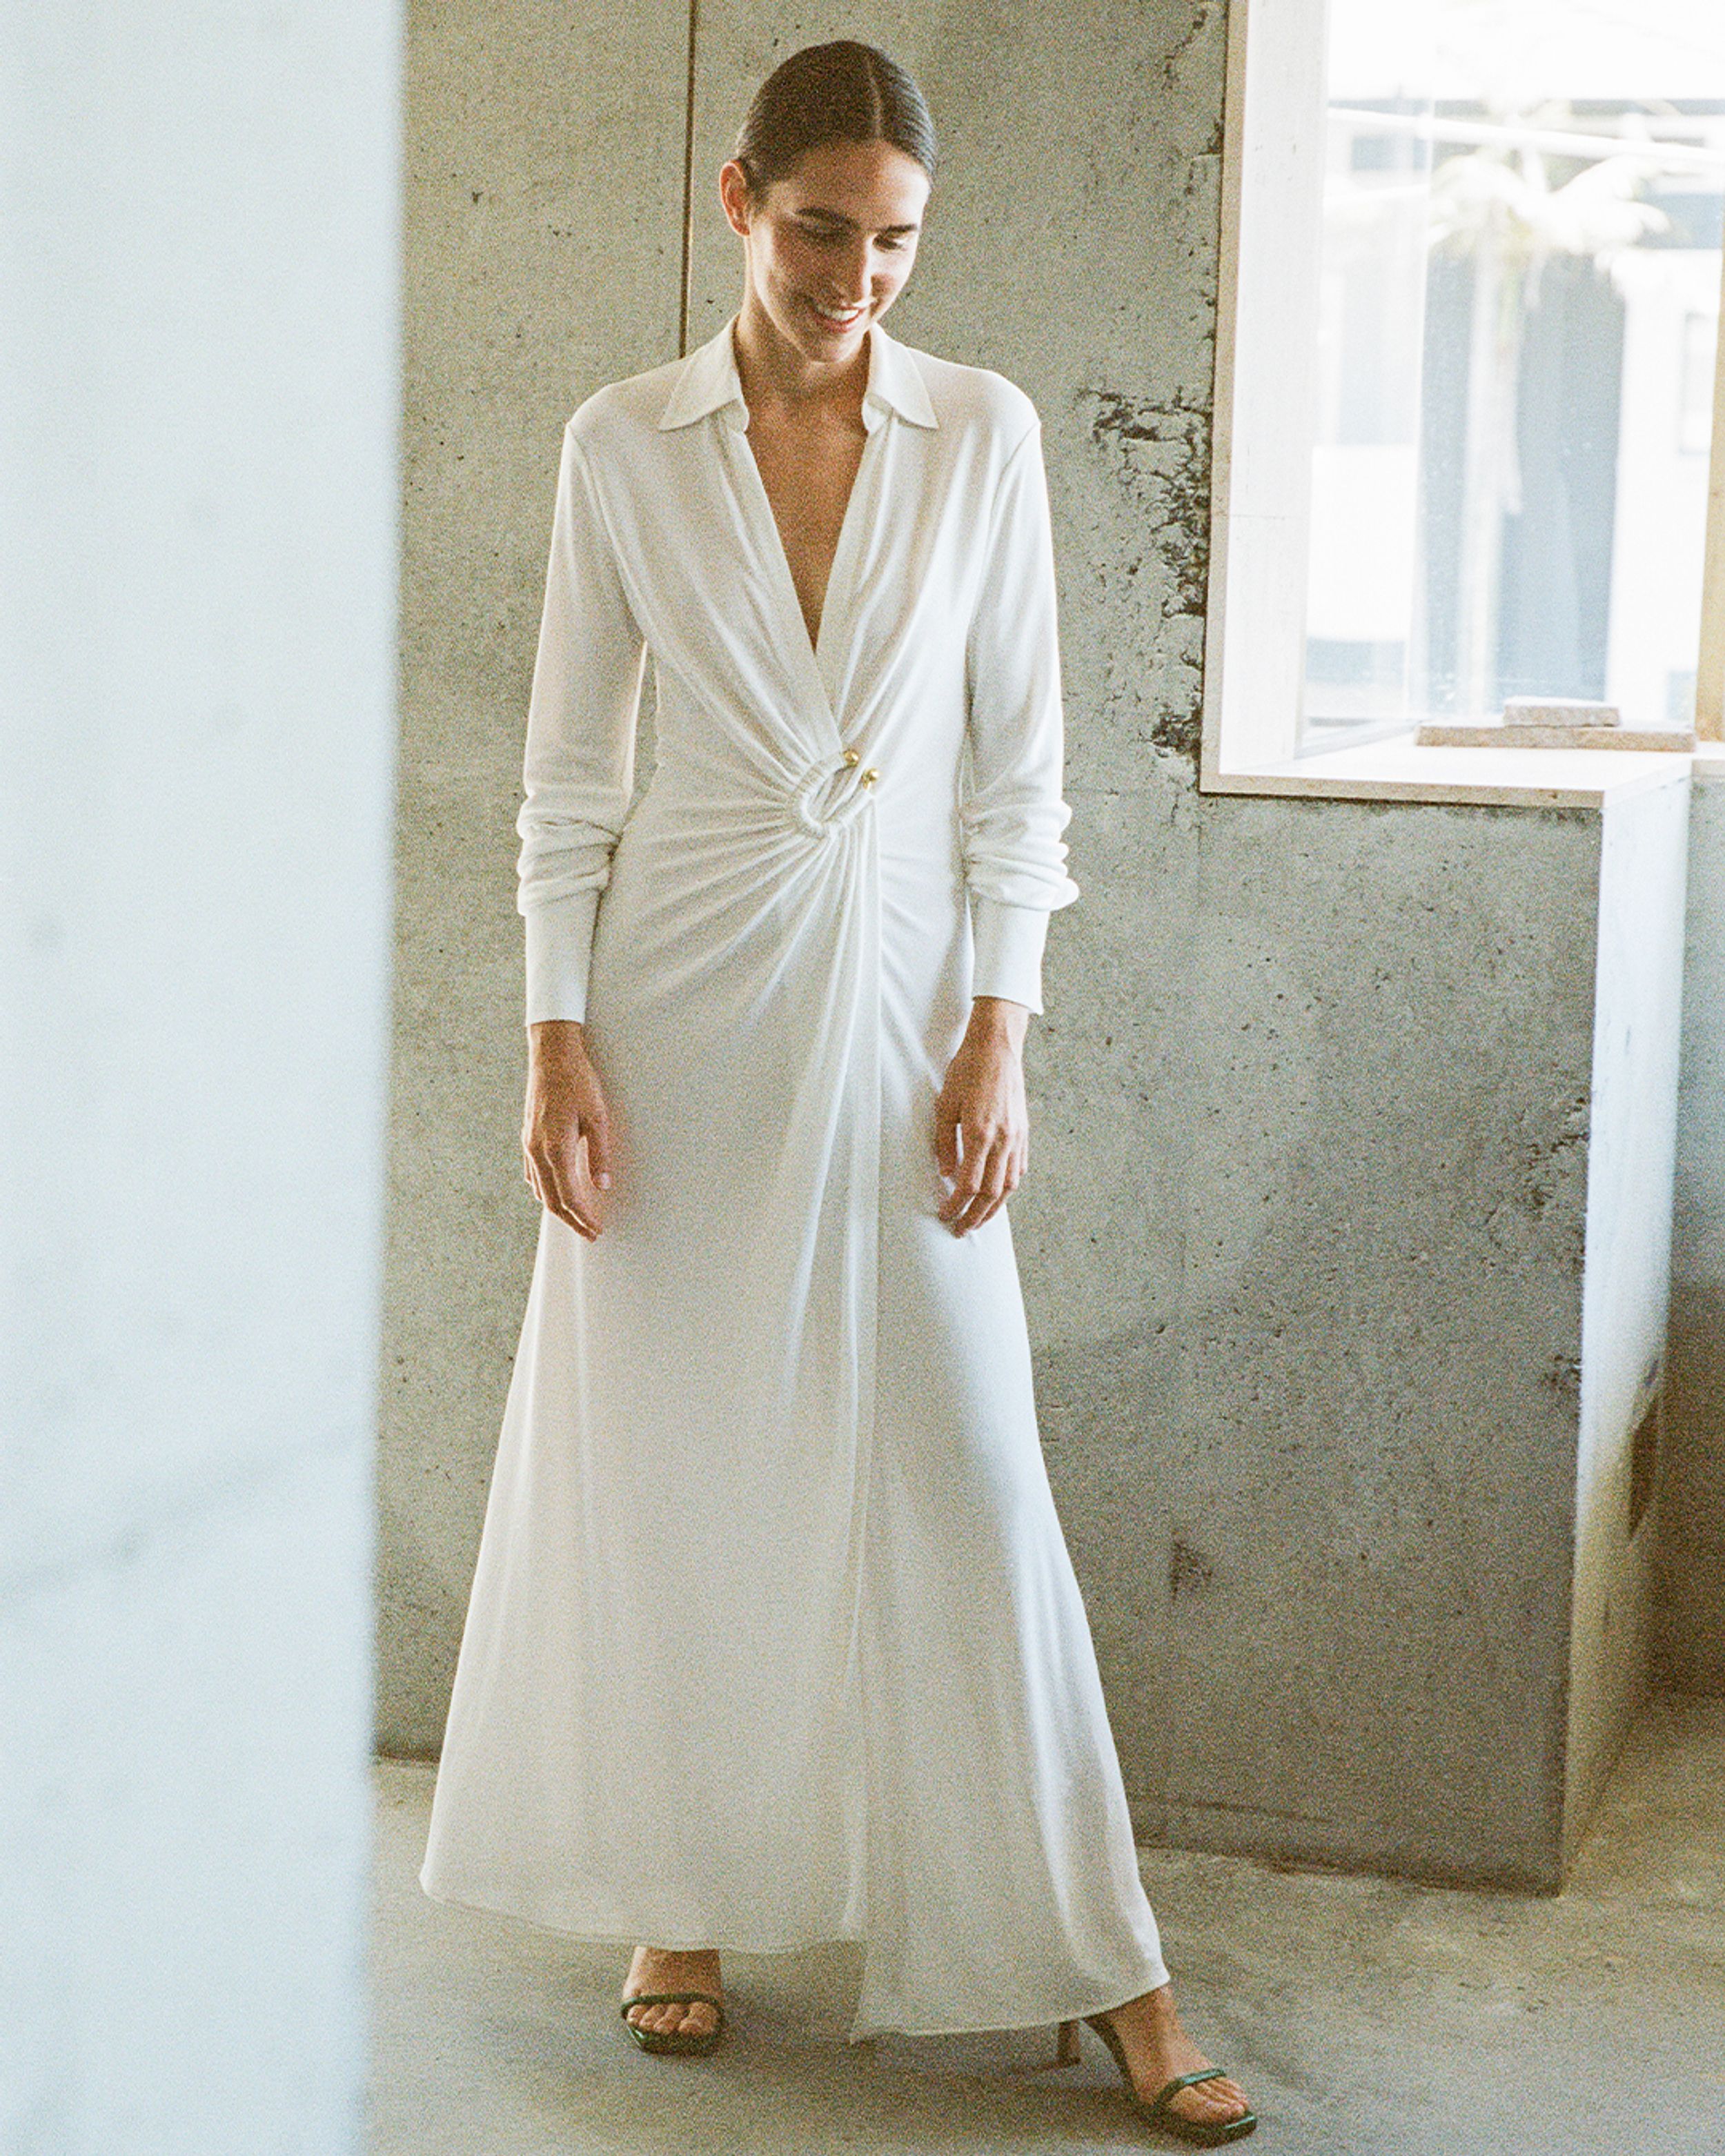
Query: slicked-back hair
842	92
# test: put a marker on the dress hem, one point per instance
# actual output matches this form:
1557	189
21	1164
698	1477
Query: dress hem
613	1933
616	1931
1156	1975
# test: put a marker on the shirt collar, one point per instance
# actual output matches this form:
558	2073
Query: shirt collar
708	382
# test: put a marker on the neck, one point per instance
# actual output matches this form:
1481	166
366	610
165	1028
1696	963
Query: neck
771	368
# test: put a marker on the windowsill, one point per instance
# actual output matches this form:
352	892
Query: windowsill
1708	764
1397	770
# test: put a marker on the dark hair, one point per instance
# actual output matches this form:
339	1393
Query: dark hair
842	92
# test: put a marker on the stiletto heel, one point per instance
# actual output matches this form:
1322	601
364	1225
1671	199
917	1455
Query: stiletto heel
1066	2053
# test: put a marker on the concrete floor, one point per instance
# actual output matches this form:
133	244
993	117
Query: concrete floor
1367	2017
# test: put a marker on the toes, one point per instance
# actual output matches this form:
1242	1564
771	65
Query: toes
651	1970
1202	2096
695	2018
1209	2103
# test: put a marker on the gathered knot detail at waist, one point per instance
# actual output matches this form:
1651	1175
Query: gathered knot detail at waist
827	797
833	794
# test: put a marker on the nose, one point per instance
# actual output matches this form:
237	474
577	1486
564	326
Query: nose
854	272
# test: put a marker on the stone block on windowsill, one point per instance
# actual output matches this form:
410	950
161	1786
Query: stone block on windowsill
1508	732
1559	711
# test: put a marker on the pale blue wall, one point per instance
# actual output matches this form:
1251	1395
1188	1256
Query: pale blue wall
199	405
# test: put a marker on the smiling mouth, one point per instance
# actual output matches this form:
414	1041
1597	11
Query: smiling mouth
843	318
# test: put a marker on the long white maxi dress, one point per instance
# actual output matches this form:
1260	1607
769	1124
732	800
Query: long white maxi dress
773	1636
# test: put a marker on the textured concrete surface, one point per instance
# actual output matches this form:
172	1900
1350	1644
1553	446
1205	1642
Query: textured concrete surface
1302	1243
198	502
542	239
1368	2018
1316	1460
1692	1501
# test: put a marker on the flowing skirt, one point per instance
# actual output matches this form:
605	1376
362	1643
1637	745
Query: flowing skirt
773	1636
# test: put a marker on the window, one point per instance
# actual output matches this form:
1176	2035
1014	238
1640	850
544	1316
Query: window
1472	262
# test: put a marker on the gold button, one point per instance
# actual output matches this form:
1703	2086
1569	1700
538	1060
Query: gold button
850	755
870	776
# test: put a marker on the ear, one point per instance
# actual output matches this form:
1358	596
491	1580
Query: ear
734	195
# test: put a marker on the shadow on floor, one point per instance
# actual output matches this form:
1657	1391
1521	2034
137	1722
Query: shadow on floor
1366	2017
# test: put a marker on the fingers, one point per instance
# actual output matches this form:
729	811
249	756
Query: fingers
542	1181
566	1139
946	1138
585	1194
967	1176
565	1184
987	1176
578	1203
596	1129
981	1127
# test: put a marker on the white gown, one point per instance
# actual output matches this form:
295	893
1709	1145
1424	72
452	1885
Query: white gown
774	1635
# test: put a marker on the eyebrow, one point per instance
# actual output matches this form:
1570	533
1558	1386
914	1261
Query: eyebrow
850	224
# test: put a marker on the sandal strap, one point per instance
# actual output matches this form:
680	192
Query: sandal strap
671	1998
1159	2101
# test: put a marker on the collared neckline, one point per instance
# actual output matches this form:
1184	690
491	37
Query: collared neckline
708	382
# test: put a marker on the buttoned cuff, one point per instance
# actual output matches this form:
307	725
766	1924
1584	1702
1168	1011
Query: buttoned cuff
1007	941
559	951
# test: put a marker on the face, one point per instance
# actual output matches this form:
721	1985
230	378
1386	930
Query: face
829	245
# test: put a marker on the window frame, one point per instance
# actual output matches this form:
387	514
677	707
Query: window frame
1264	401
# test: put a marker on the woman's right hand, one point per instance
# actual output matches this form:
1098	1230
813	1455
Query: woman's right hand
566	1150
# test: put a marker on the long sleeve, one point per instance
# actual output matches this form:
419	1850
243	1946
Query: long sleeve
579	769
1012	814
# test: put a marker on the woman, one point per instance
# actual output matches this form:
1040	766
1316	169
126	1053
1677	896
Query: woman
773	1636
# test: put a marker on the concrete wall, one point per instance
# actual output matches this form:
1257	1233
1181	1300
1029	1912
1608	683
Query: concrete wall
198	381
542	248
1692	1501
1303	1242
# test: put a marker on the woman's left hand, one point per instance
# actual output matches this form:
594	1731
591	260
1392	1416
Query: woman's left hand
982	1124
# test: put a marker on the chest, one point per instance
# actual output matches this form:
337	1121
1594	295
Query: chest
808	473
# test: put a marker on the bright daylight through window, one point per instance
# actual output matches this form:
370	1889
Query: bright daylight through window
1519	306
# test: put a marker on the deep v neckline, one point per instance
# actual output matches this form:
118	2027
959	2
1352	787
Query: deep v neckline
778	556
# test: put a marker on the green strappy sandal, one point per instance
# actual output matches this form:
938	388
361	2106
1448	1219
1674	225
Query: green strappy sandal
1155	2108
694	2046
